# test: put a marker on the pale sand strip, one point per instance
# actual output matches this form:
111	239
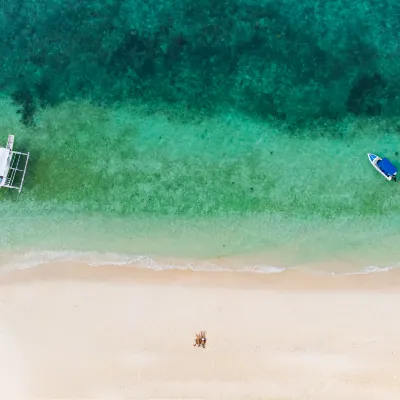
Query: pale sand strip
77	332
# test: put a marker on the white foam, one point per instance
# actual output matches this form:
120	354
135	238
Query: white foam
367	270
263	269
31	259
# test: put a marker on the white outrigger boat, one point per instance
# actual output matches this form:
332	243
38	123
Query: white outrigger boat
13	166
383	166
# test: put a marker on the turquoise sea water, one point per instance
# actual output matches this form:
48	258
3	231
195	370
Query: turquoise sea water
162	141
121	181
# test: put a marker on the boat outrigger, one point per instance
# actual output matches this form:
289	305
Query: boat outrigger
383	166
13	166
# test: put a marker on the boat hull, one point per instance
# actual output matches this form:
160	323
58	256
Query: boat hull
374	160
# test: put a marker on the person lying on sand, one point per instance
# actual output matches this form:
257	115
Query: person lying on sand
197	341
200	339
203	339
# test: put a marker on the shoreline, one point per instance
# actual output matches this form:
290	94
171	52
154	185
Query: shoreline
258	263
290	279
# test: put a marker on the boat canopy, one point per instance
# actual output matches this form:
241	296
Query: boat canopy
387	167
4	153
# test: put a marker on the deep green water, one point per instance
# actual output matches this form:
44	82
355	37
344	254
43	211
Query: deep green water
203	129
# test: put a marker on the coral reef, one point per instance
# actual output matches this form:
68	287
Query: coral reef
286	59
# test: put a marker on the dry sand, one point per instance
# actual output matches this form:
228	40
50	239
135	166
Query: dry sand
78	332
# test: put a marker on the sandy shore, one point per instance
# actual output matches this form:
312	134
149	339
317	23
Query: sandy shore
78	332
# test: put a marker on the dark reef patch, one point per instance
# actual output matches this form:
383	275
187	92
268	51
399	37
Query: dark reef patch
287	60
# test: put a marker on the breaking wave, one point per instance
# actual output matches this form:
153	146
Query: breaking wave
31	259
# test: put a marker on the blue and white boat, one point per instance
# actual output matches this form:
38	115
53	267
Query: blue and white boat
383	166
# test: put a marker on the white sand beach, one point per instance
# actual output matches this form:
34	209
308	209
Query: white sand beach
70	331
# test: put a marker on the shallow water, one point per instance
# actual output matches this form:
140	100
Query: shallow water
127	181
205	130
